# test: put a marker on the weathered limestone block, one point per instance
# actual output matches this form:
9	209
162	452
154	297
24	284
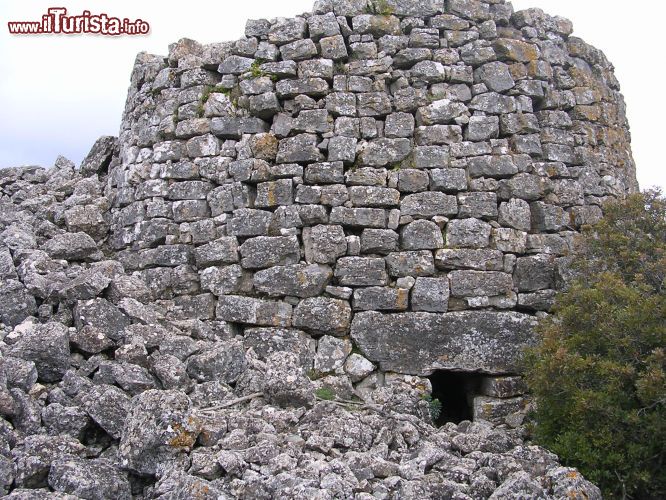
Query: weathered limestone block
324	244
495	410
237	309
469	258
323	316
480	283
421	235
361	271
418	343
378	298
429	204
159	431
412	263
299	280
359	217
467	233
219	252
267	251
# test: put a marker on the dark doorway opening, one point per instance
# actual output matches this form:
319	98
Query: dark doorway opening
455	391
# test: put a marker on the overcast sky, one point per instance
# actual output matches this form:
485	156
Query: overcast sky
59	93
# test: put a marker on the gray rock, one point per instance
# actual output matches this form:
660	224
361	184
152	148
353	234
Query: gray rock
47	346
485	340
324	244
381	152
268	251
107	405
287	30
159	430
16	303
482	128
235	65
442	111
546	217
265	341
331	353
286	384
357	367
421	235
89	479
374	196
101	315
298	50
249	222
467	233
359	217
413	263
536	272
516	214
361	271
34	458
430	294
412	180
71	246
379	298
478	205
300	148
493	103
273	194
19	373
99	157
237	309
431	157
437	135
496	76
480	283
224	361
323	316
299	280
448	180
219	252
225	280
492	166
314	87
428	204
381	241
509	240
325	173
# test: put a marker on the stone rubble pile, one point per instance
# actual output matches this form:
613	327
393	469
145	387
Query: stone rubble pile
242	295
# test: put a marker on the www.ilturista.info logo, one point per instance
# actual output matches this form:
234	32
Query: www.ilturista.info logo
56	21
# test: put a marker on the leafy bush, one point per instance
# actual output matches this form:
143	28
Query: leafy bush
599	372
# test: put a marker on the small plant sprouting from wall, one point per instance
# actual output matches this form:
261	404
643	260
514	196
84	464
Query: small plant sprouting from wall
379	7
434	406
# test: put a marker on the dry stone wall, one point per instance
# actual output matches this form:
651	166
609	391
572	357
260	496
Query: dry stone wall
298	241
412	174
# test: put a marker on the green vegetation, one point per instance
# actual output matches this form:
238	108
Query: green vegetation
434	406
379	7
255	69
313	374
599	373
214	89
325	393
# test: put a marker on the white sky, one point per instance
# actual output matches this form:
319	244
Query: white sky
59	93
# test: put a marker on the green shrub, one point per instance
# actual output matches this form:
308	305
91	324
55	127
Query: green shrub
599	372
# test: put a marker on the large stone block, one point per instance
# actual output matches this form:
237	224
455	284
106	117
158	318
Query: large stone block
323	316
267	251
237	309
299	280
418	343
361	271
